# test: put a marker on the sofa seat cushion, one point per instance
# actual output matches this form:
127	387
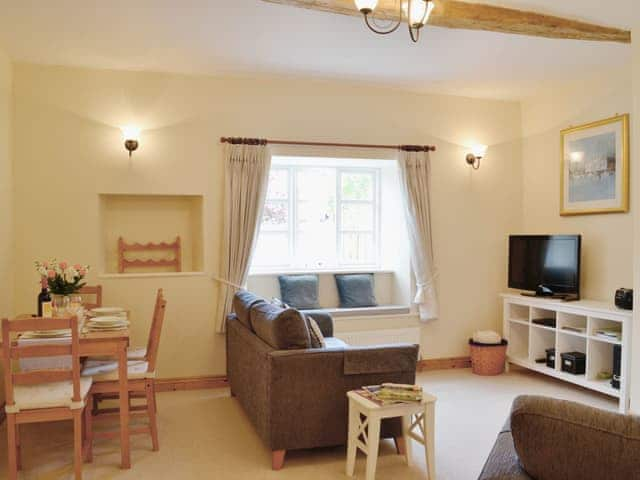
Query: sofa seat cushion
48	395
242	303
333	343
558	439
281	328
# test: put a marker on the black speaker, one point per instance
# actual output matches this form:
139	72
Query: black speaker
617	354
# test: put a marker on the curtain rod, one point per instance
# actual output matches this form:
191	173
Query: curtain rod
257	141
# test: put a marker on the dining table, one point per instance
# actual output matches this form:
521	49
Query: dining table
113	344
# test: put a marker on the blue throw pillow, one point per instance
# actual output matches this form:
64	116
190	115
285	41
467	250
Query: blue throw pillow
299	291
356	290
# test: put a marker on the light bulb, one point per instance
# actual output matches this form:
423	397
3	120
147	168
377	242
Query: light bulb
367	6
419	12
479	150
130	132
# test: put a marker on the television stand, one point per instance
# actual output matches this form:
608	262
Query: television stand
567	297
527	328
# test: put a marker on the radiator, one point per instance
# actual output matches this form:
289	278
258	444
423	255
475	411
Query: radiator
366	338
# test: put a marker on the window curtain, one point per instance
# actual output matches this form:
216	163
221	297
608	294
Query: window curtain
247	164
415	174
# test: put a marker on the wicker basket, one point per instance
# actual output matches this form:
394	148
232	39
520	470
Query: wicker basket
488	359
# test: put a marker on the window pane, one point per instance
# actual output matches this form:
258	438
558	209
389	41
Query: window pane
357	186
316	249
316	184
275	215
278	184
357	216
357	248
272	249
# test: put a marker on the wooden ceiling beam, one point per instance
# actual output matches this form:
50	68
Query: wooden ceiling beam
478	16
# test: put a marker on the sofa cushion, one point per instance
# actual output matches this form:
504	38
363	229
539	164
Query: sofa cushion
558	439
281	328
315	334
503	463
242	303
356	290
334	343
299	291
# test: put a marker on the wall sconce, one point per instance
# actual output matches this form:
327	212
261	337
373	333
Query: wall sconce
131	137
477	152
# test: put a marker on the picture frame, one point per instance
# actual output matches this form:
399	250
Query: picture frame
594	167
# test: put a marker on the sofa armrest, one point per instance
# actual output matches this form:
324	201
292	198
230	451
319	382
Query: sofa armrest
323	319
557	439
313	384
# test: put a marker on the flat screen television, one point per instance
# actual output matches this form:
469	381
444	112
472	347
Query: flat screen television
546	264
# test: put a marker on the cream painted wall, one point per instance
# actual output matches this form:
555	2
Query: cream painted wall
635	172
607	239
69	149
6	190
6	186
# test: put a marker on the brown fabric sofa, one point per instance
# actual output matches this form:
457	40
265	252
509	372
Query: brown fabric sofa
549	439
296	397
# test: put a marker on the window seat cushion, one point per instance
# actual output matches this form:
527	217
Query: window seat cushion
366	311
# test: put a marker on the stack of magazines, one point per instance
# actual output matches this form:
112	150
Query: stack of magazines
390	393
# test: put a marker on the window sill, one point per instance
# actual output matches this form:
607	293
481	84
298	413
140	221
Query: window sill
329	271
151	275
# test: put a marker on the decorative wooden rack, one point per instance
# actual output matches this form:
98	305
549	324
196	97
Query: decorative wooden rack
124	263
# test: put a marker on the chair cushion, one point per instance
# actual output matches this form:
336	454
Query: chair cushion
136	353
283	329
242	303
315	334
299	291
107	371
356	290
48	395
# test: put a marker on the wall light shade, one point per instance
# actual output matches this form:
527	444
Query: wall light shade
366	5
131	137
419	12
477	153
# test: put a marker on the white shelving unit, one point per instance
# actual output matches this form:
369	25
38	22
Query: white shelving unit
528	341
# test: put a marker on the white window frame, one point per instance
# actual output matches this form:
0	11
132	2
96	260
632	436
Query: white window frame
292	225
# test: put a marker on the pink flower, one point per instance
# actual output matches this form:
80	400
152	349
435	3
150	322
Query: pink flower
51	274
63	265
82	272
77	266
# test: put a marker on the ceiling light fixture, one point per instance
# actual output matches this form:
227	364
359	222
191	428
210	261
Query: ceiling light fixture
416	13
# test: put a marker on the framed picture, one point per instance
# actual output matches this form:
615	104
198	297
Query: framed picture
595	167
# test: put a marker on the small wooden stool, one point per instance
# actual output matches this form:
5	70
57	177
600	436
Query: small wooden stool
418	422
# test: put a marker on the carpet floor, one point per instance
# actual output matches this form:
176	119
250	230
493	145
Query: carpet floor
206	434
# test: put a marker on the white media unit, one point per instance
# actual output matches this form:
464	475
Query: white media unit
529	341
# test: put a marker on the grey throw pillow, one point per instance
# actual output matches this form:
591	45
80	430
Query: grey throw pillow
299	291
356	290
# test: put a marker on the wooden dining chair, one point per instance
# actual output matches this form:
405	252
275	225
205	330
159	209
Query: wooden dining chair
44	395
93	290
141	380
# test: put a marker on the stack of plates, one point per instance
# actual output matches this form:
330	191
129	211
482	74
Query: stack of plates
46	334
111	311
106	324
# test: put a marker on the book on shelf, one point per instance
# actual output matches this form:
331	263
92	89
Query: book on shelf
571	328
612	333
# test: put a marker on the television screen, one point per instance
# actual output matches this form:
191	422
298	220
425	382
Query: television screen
552	261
